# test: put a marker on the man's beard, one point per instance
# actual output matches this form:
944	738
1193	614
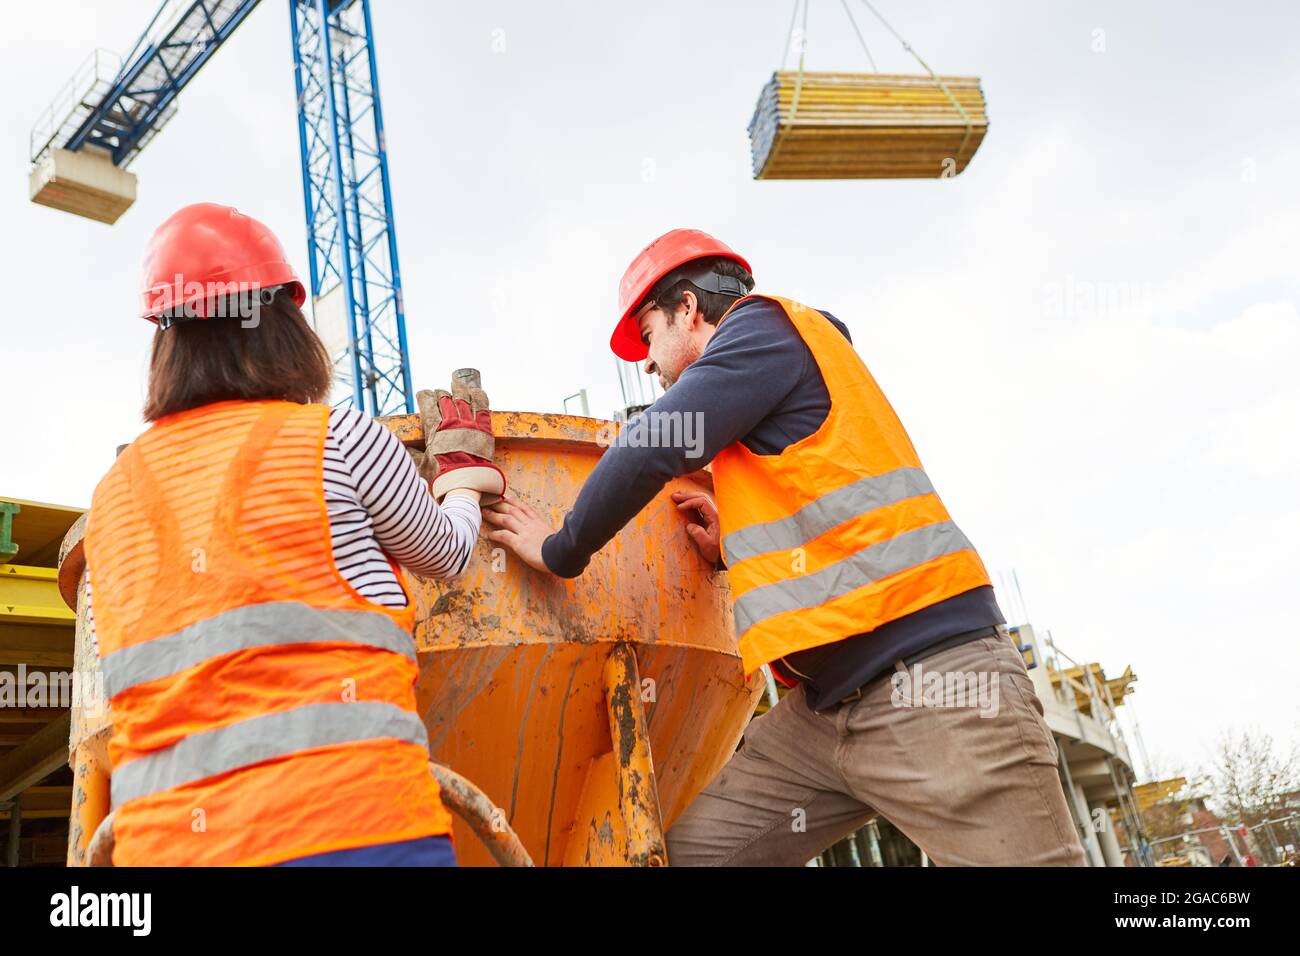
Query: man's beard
683	358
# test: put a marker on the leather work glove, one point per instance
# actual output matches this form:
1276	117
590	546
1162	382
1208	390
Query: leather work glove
458	439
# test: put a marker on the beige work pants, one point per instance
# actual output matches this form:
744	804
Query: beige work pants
967	771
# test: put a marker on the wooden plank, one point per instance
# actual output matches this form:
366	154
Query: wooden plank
19	732
32	762
30	715
36	645
38	529
43	803
52	813
859	126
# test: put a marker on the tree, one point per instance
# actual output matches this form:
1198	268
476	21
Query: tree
1249	777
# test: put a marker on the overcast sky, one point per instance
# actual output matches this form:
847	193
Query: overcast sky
1091	334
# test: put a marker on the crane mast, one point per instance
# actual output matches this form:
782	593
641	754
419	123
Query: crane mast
356	281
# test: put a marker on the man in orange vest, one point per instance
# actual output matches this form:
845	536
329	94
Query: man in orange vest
850	580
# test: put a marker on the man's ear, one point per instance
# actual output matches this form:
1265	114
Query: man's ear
692	316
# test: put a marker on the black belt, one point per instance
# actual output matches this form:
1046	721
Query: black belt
965	637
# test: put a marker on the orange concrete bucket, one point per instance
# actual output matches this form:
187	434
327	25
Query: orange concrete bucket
529	681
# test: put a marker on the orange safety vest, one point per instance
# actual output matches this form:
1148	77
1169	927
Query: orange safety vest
842	531
262	709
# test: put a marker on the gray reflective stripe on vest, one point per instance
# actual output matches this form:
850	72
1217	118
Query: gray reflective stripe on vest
244	628
830	510
262	738
873	563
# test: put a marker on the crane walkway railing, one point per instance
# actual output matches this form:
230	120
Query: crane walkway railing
122	112
74	102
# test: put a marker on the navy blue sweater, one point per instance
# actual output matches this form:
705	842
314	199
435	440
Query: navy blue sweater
756	383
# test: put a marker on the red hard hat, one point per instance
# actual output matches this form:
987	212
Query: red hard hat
668	252
206	251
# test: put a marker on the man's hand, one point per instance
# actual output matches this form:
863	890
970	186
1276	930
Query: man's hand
696	504
520	528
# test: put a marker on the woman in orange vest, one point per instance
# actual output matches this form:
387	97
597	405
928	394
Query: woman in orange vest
243	554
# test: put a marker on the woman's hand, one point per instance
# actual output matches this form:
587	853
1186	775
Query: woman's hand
458	439
520	528
706	534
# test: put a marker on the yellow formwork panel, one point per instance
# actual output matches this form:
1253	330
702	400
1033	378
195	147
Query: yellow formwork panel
1118	687
1149	794
31	596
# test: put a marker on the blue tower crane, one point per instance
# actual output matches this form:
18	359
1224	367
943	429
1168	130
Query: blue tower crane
110	110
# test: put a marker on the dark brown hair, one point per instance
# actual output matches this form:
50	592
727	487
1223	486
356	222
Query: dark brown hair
275	356
667	292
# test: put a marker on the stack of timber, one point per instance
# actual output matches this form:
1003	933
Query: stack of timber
866	126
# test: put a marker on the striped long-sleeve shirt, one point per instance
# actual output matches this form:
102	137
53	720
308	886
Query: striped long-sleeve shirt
378	505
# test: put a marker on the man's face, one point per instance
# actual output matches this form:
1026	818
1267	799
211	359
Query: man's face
672	347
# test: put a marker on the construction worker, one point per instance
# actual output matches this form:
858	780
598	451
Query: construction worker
849	578
243	584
